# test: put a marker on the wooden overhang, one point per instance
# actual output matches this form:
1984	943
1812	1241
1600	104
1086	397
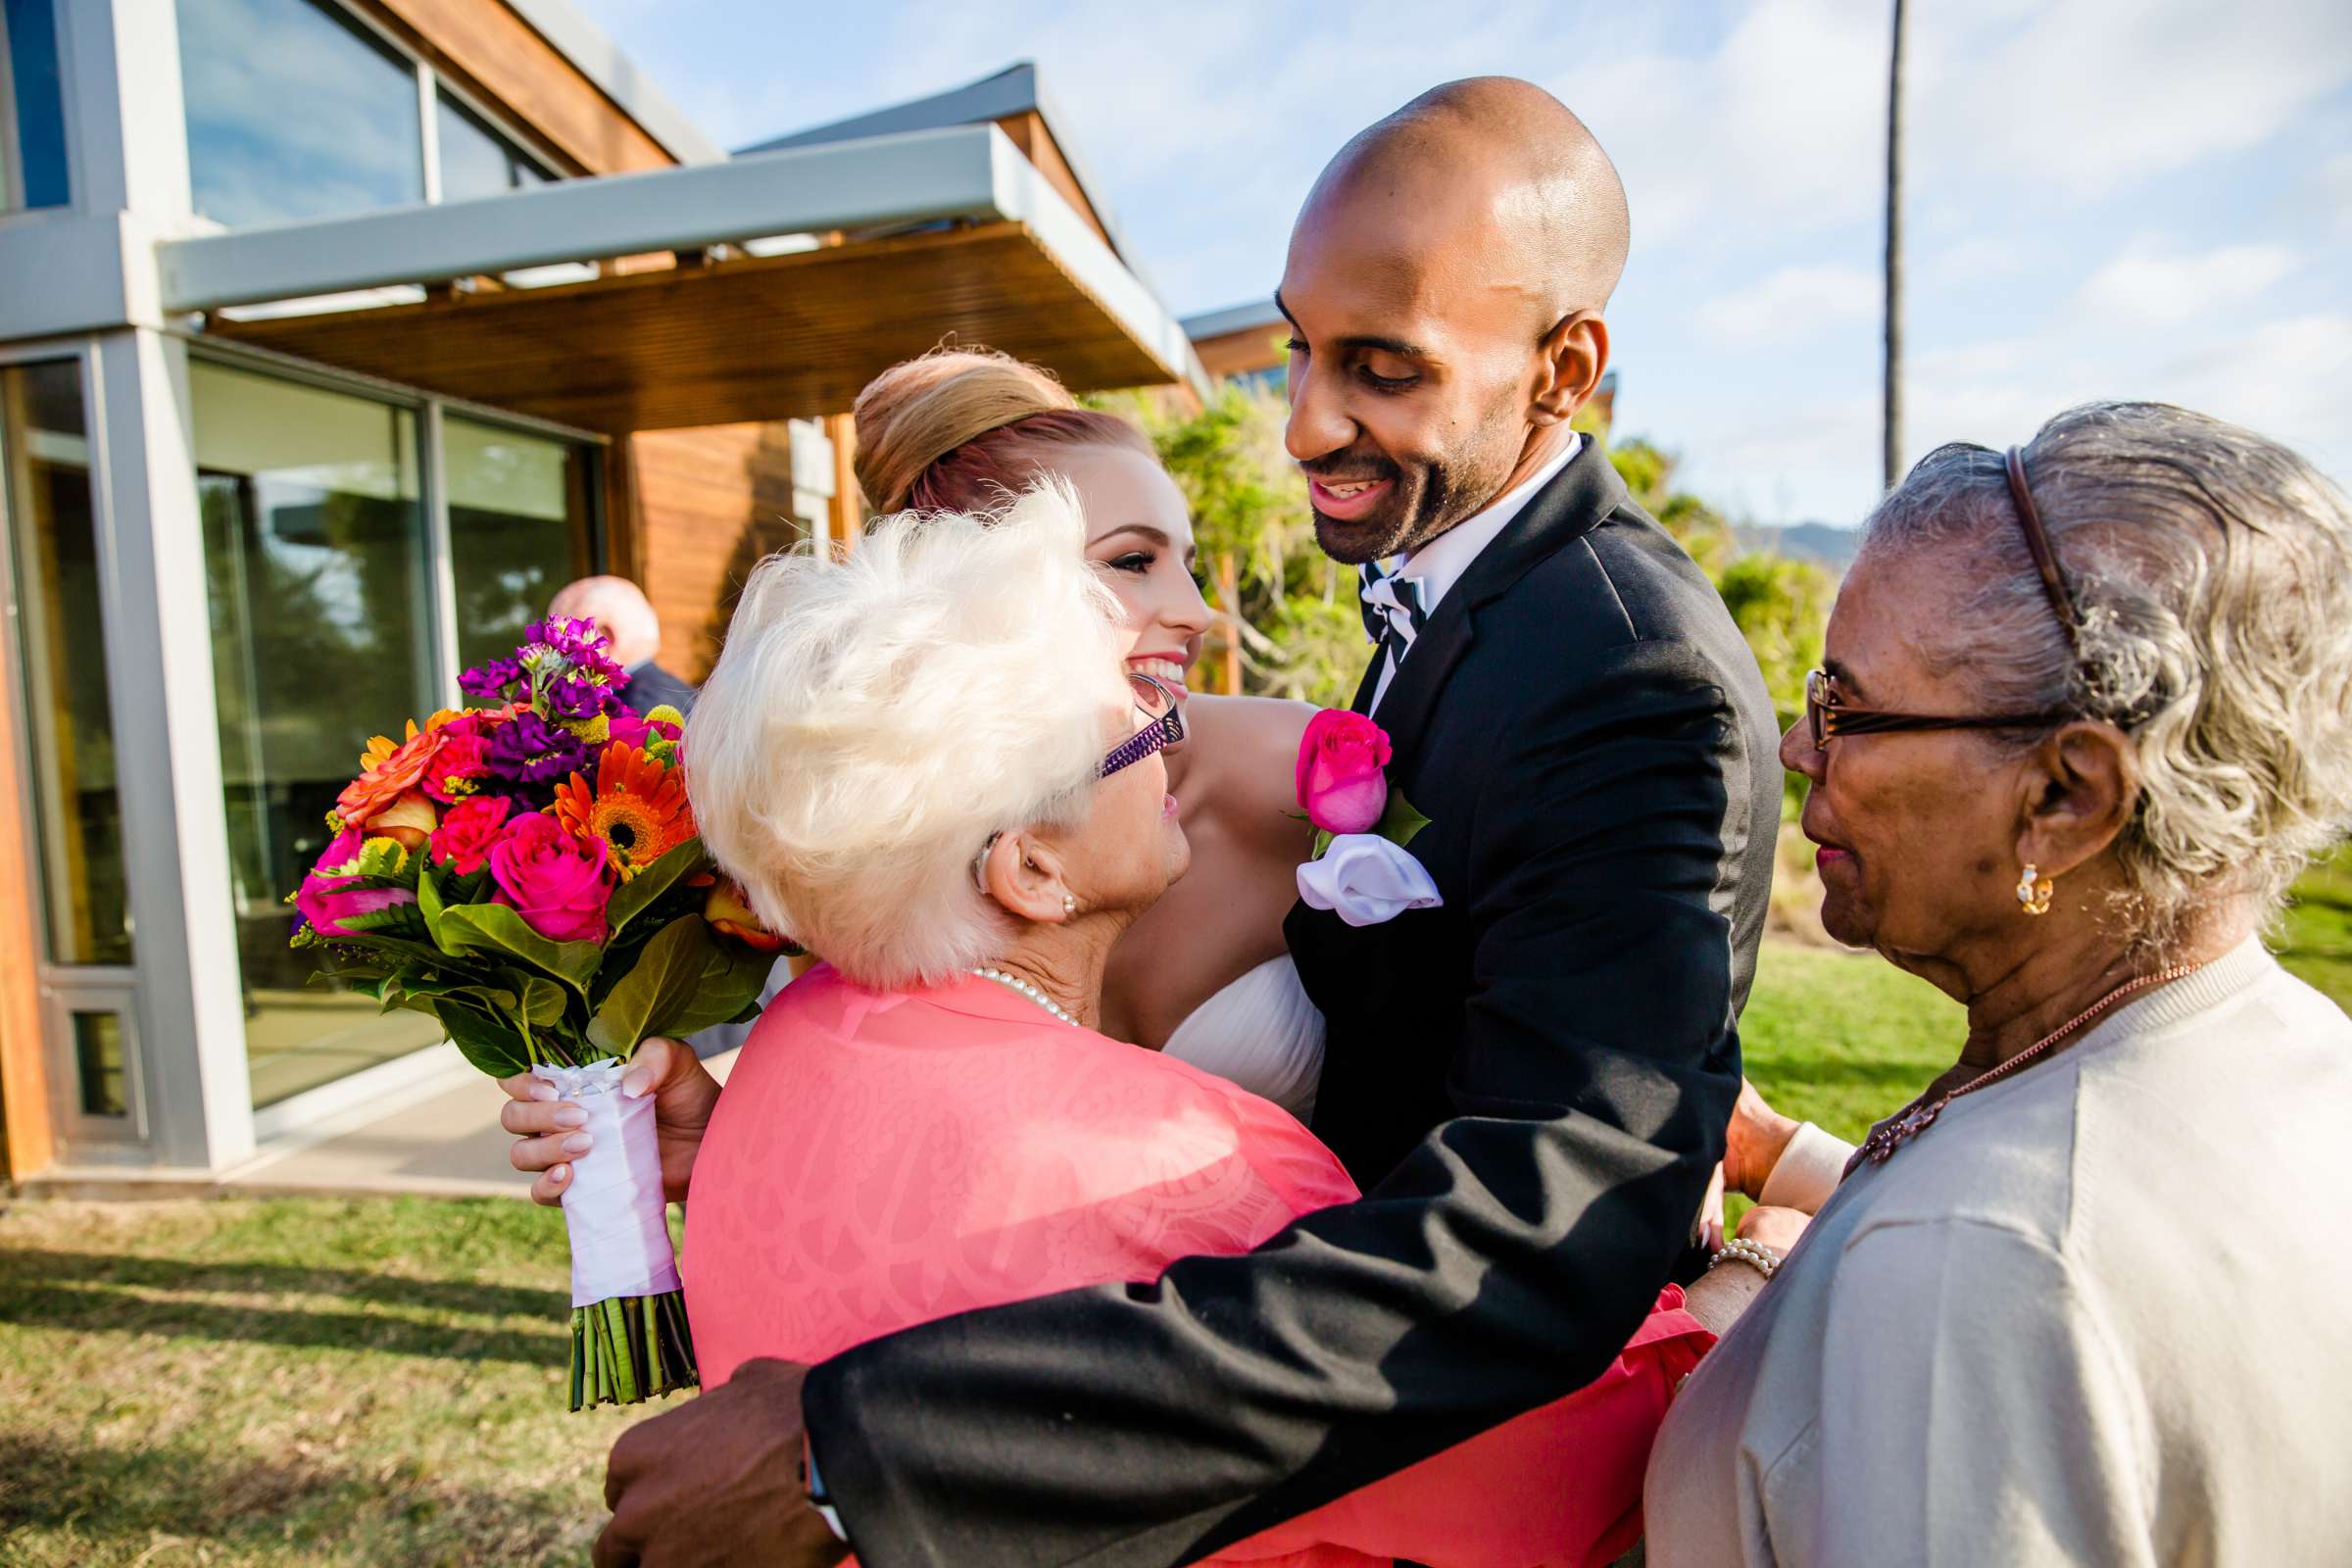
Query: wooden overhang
755	338
981	247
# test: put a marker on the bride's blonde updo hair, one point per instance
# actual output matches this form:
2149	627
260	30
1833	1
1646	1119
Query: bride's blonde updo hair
964	429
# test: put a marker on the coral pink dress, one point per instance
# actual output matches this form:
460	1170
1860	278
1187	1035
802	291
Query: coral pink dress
882	1158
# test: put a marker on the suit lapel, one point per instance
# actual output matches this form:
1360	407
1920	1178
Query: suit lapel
1562	511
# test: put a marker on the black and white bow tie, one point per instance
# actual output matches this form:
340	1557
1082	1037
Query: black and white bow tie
1395	608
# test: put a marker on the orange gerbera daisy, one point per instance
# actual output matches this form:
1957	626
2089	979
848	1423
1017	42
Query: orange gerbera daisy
389	770
638	807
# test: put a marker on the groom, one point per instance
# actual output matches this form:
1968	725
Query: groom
1531	1081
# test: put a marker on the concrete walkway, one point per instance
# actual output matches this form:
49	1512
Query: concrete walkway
440	1140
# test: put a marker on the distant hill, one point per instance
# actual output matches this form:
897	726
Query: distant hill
1819	542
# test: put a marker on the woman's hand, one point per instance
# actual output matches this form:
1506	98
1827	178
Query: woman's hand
548	1136
1719	1295
1753	1141
1775	1228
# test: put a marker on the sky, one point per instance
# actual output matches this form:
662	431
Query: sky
2103	198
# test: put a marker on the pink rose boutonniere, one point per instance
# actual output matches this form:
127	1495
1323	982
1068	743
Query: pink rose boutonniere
1344	781
1361	869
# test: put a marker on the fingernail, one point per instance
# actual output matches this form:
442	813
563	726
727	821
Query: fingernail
541	1089
577	1143
570	1117
637	1084
559	1174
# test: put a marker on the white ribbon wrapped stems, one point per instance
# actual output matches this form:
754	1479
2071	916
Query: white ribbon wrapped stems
613	1208
1366	880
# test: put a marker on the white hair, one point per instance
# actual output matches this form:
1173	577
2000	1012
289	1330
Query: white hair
872	723
2213	569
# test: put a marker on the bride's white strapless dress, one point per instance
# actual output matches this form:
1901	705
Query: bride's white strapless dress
1263	1033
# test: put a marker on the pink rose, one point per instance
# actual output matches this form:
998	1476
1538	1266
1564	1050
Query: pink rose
328	899
466	834
1341	785
552	880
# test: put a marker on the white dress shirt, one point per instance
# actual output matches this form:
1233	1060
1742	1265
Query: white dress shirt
1439	564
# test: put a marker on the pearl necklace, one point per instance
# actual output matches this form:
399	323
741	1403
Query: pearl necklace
1024	987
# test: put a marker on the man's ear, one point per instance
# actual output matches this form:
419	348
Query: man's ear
2080	788
1572	356
1023	873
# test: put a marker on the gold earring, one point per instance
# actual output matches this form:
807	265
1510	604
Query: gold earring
1069	905
2033	891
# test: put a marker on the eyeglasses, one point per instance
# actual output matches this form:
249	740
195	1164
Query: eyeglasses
1164	727
1830	716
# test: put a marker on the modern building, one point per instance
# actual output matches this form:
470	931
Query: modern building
334	334
1245	344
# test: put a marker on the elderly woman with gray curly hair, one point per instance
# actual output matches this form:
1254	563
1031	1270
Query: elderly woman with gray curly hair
2085	712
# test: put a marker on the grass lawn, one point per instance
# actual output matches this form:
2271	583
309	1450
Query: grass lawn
291	1382
280	1382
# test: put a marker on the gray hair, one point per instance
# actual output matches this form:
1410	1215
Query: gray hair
873	720
2213	571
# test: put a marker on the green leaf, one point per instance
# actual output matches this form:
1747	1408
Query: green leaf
428	904
542	1003
636	895
687	978
499	929
493	1047
1400	823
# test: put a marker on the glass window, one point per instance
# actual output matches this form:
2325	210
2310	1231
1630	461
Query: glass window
321	610
98	1064
518	516
476	160
294	111
33	107
77	812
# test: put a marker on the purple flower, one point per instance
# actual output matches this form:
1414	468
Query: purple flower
581	698
529	750
577	643
492	680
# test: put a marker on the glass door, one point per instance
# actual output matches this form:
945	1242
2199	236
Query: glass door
72	808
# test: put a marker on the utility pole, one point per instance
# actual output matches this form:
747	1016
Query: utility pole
1893	392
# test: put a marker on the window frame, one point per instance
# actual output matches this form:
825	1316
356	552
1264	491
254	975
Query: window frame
432	84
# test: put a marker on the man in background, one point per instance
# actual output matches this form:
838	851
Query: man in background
623	613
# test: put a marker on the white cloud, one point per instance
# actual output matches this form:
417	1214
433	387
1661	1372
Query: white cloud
2095	93
1791	305
2142	286
2291	378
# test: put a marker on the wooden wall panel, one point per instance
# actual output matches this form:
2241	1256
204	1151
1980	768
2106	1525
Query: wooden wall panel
1253	348
710	504
500	57
27	1139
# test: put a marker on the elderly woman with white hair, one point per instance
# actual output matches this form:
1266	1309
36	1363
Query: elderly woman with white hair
2085	712
927	764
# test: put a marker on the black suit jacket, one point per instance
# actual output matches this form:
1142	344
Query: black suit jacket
652	686
1535	1076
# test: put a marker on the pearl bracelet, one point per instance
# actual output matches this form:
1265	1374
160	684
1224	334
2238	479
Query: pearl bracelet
1755	1255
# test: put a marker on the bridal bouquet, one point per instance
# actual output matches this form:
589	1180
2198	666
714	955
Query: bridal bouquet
528	872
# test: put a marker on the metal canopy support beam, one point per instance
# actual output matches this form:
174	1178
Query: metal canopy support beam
893	179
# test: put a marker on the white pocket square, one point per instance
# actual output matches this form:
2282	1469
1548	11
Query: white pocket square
1366	880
